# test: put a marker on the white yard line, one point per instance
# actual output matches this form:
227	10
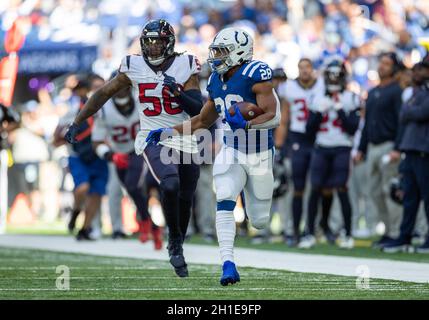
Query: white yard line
213	289
201	254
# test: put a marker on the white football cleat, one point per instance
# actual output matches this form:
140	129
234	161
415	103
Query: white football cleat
307	242
346	242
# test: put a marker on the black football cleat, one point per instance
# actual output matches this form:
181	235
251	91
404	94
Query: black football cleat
119	235
382	242
177	260
84	235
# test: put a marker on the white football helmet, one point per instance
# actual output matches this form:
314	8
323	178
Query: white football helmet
230	47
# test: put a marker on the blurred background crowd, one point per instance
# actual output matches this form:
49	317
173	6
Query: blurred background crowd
67	40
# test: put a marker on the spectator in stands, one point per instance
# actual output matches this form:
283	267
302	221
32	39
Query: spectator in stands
414	118
380	143
9	121
29	150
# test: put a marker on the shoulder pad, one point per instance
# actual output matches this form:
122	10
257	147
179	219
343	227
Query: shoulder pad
209	85
125	64
194	64
258	71
209	81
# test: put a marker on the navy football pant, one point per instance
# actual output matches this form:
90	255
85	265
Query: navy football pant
329	169
415	180
300	156
177	183
132	179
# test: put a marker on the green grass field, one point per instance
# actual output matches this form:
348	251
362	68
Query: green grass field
362	247
31	274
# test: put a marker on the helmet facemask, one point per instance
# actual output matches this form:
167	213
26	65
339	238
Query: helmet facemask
156	49
219	58
335	79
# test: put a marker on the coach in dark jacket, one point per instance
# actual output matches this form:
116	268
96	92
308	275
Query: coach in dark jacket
414	120
380	144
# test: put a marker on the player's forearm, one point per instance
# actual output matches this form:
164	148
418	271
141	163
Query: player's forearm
94	103
58	142
267	120
190	126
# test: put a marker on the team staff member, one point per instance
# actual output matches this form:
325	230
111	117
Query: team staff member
414	118
380	143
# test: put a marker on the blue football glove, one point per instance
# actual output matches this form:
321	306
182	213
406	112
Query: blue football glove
236	121
154	136
171	84
71	133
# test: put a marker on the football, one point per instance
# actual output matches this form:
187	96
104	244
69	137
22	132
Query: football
248	110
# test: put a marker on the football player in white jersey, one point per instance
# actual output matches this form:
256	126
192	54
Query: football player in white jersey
296	96
334	117
167	87
245	161
113	138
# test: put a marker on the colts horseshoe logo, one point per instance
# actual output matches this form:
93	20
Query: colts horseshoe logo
241	44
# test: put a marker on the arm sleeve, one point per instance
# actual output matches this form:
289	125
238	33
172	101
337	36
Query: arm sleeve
363	144
313	123
191	101
350	121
